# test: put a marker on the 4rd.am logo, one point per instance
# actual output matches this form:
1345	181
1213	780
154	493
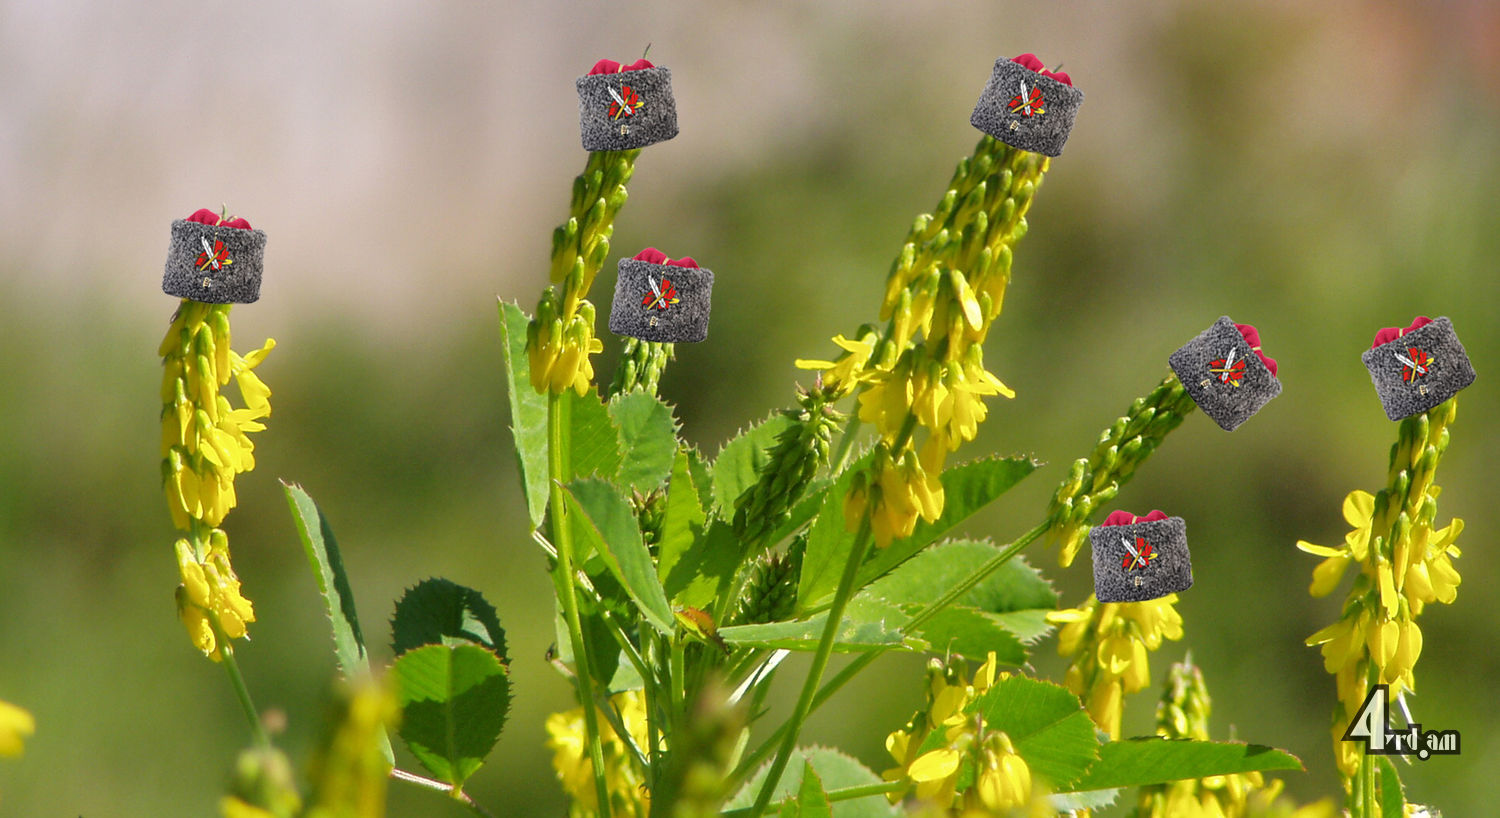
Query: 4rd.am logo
1371	725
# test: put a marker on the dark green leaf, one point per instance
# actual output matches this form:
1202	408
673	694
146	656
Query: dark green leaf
604	522
528	411
593	441
439	612
972	633
966	489
1015	586
648	439
837	771
1047	726
703	478
735	468
1140	761
1066	802
454	701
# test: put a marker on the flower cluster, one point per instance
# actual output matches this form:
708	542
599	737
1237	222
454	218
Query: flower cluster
1001	779
1108	644
205	443
561	338
800	450
1404	563
570	758
349	773
1121	449
948	285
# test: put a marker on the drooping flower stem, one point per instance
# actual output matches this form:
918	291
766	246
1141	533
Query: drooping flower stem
567	595
242	692
804	707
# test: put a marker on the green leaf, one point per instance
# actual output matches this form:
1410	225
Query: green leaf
440	612
647	438
1004	611
862	630
925	578
811	800
966	489
528	411
333	583
972	633
593	441
703	479
836	771
735	468
828	545
1048	727
454	701
701	573
683	521
1066	802
604	522
328	571
1154	760
1392	795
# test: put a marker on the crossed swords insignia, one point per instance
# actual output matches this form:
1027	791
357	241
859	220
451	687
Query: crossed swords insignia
1228	369
1414	367
625	105
665	295
1028	102
1139	557
216	256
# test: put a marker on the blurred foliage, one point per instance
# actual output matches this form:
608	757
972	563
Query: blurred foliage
1241	158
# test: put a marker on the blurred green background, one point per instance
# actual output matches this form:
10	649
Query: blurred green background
1320	170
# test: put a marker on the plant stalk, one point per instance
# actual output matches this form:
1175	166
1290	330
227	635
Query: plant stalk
237	681
568	598
820	663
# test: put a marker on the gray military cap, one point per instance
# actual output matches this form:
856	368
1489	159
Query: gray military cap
661	302
1026	109
215	264
1224	375
1419	369
1144	560
629	109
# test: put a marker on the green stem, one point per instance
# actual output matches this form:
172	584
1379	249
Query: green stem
567	596
237	681
824	694
679	680
834	796
820	663
846	443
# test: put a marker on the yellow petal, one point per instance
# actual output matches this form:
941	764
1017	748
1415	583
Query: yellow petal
1319	550
1359	507
16	724
934	765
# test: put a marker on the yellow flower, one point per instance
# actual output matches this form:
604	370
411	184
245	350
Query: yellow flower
575	771
205	443
16	725
1359	511
349	772
210	594
843	375
1003	780
895	494
1108	644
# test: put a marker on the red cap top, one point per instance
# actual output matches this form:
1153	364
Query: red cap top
1392	333
205	216
1252	337
612	67
656	256
1123	517
1030	61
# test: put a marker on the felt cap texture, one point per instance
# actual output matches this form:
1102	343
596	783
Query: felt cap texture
1442	369
650	115
639	313
215	264
1230	398
1031	123
1120	577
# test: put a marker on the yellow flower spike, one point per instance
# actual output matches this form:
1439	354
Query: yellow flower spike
16	725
